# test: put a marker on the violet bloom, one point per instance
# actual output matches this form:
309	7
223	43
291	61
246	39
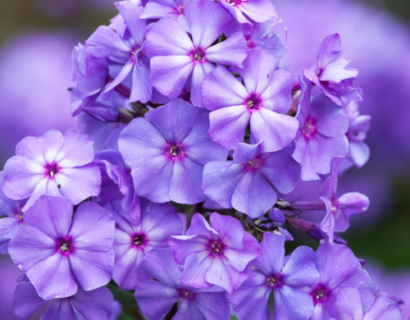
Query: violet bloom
359	152
338	210
55	164
338	267
127	50
55	251
263	101
175	9
176	59
11	218
272	272
156	297
321	135
167	151
133	241
331	74
247	11
215	254
251	181
346	304
96	304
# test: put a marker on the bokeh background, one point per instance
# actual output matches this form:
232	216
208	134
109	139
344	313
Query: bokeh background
37	36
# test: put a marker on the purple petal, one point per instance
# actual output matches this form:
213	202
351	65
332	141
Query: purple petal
230	230
349	204
233	120
245	152
9	227
213	305
183	246
272	254
166	37
174	120
169	74
250	300
259	10
234	11
188	309
125	272
329	50
52	277
60	309
336	72
383	309
33	148
200	72
141	87
221	89
195	270
45	187
232	51
361	280
344	303
158	10
300	268
131	13
200	226
240	258
93	228
78	184
220	180
96	304
359	153
99	267
330	184
275	130
26	301
77	150
292	304
277	96
207	21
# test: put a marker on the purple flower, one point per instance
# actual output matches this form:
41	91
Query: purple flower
338	210
248	11
251	181
55	164
96	304
133	241
338	267
167	151
156	297
177	59
346	304
263	101
271	271
215	254
359	152
54	251
126	50
321	135
175	9
11	218
331	75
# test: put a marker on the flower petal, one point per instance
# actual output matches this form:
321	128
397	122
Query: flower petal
26	301
292	304
96	304
76	151
272	254
195	270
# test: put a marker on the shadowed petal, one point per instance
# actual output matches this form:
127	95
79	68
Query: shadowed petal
131	13
60	309
213	305
125	272
96	304
195	270
272	254
200	72
240	258
141	87
292	304
26	301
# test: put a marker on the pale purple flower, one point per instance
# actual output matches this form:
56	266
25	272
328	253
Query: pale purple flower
167	150
338	267
96	304
338	210
134	240
332	74
346	304
248	11
176	59
272	271
262	101
321	135
11	218
251	182
175	9
56	250
215	254
126	50
359	152
55	164
156	297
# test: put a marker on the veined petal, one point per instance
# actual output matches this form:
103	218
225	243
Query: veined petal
141	87
292	304
272	254
131	13
76	151
277	96
200	72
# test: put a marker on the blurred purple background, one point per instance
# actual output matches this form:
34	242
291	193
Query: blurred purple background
37	36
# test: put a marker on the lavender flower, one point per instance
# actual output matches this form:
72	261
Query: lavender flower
215	254
156	297
251	181
53	250
127	50
271	272
321	134
331	74
250	11
176	59
55	164
96	304
167	151
263	102
133	241
338	210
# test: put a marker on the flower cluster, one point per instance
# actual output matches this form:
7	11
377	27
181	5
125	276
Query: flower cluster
192	133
